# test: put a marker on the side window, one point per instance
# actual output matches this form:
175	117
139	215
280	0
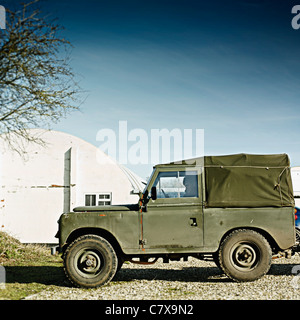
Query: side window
168	185
190	182
176	184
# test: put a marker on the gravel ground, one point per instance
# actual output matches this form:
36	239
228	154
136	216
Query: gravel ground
192	280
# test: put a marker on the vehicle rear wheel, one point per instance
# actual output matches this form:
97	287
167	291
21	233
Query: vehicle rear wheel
90	261
245	255
297	235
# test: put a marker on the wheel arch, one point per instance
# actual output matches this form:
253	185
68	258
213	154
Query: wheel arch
94	231
273	244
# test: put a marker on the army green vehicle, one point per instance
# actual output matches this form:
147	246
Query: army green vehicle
237	210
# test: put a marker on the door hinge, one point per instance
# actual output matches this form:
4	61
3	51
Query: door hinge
142	242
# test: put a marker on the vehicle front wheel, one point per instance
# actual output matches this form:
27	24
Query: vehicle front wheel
90	261
245	255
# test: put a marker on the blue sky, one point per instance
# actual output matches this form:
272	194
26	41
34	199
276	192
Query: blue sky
230	67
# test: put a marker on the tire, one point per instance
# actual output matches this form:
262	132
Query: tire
245	255
297	235
120	264
216	259
90	261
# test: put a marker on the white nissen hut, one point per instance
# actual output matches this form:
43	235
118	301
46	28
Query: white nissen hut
38	186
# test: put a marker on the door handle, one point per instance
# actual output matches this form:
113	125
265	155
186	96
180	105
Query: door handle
193	222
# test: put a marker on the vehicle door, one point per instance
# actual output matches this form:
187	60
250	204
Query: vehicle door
174	221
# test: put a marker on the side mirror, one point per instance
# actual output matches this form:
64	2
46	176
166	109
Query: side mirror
153	193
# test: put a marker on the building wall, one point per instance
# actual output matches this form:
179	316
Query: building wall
39	185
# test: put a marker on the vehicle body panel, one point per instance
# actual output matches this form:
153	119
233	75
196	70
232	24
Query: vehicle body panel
122	225
277	222
182	237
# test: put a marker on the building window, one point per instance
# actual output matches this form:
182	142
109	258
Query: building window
104	199
98	199
90	199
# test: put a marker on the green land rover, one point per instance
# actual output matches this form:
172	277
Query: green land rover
237	210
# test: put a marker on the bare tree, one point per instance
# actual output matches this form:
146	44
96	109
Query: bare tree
37	84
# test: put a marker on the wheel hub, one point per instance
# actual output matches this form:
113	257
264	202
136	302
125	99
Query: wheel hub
89	262
244	256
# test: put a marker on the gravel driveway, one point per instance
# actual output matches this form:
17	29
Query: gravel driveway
192	280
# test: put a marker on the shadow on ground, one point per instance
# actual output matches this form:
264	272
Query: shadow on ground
39	274
50	275
190	274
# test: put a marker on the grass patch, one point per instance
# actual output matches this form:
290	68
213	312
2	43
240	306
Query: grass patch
29	268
